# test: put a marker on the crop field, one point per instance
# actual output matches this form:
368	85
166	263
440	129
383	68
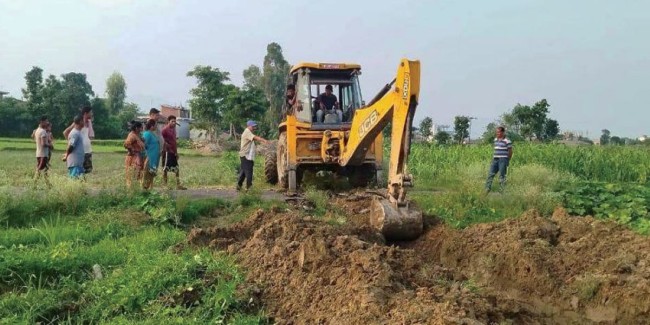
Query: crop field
97	252
606	182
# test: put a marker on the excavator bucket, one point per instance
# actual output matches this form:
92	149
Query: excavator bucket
395	223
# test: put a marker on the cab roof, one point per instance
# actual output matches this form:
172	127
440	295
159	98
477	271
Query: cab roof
324	66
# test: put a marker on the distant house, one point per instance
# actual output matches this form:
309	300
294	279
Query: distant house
643	138
182	118
178	111
3	93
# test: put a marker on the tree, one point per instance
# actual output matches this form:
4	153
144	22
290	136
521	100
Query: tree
32	91
615	140
115	92
461	128
112	126
275	71
605	137
585	140
539	119
532	122
490	131
510	122
242	105
53	102
551	129
442	137
75	93
207	102
15	119
425	127
253	77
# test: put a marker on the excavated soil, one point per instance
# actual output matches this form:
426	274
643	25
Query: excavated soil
531	270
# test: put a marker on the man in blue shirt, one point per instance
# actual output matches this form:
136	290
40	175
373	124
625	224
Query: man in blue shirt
74	155
500	159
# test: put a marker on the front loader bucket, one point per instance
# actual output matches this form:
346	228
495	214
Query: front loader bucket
395	223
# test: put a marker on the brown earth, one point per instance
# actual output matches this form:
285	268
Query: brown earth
531	270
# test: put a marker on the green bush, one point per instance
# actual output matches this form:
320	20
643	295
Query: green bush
627	204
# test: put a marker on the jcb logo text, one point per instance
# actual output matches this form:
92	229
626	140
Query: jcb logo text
368	123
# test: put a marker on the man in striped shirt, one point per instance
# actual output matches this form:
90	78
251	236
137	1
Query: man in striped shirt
500	159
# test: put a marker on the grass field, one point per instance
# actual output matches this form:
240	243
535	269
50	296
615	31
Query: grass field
607	182
18	162
50	240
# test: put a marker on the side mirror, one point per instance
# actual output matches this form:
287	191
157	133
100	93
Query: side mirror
363	103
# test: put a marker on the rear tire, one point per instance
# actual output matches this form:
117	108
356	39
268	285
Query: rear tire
271	165
282	162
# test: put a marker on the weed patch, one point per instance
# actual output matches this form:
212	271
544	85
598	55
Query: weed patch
627	204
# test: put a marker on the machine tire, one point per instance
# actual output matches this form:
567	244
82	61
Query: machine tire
379	178
292	181
270	165
361	176
282	163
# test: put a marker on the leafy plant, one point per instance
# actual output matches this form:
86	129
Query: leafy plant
627	204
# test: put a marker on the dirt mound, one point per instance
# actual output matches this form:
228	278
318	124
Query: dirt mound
531	270
571	269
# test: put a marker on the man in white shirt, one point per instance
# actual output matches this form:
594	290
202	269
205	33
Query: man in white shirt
247	155
43	145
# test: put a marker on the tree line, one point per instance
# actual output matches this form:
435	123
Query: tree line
60	99
522	122
216	104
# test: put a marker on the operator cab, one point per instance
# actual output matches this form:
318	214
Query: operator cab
312	82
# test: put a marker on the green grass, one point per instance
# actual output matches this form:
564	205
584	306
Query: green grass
99	146
431	164
46	260
50	240
17	169
607	182
461	201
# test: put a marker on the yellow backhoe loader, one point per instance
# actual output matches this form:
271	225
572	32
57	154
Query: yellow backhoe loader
343	134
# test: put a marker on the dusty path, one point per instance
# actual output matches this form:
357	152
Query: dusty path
530	270
202	193
193	193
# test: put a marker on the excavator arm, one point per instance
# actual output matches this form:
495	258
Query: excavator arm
395	103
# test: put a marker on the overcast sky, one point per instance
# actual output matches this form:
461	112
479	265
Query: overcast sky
589	58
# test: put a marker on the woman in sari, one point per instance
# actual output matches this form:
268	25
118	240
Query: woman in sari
134	147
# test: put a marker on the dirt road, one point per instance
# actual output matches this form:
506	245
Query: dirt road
201	193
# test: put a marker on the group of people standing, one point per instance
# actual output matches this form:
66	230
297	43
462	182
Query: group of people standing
78	154
144	149
147	150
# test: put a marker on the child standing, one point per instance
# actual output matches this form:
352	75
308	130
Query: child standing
152	147
134	147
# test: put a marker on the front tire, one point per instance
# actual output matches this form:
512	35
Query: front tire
361	176
282	162
292	181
